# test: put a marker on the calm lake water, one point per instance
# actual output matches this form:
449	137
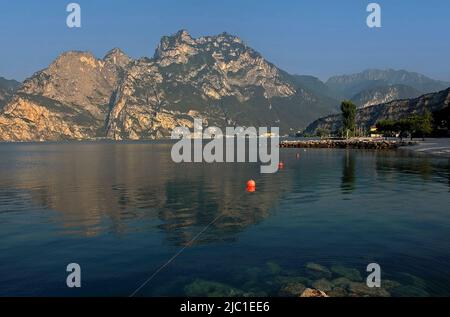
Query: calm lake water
121	210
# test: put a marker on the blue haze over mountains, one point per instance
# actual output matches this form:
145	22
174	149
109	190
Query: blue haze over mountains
219	78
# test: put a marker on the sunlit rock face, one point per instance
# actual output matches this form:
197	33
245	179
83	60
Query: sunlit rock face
207	77
218	78
68	100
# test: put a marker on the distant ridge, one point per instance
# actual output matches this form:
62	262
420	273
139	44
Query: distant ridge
350	85
437	103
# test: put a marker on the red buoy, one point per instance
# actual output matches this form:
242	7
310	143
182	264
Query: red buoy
251	186
280	165
251	189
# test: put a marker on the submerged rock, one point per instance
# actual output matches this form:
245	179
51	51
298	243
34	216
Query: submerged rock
248	274
389	284
351	274
318	270
362	290
273	267
338	292
255	293
283	280
323	284
309	292
341	282
292	290
200	288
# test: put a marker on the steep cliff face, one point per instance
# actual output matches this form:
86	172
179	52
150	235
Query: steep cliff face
78	79
218	78
368	116
68	100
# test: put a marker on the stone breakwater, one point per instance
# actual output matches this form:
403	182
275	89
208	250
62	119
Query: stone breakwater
375	144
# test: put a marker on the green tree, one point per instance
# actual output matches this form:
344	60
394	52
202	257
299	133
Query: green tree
421	125
426	124
348	110
404	126
387	127
322	132
414	125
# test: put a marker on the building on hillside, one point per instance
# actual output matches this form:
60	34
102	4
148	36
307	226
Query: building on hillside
374	132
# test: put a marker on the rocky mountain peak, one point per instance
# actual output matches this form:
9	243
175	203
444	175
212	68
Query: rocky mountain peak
79	81
227	37
181	46
74	56
184	36
117	57
175	48
222	65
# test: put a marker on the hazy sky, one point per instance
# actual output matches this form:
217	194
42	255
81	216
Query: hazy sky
315	37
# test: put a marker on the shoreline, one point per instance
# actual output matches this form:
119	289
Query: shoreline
432	146
353	143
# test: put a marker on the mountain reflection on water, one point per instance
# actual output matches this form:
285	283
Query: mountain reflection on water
107	186
123	209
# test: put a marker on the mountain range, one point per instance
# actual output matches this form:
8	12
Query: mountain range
217	78
350	85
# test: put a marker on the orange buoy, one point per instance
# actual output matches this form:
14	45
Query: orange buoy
280	165
251	186
251	189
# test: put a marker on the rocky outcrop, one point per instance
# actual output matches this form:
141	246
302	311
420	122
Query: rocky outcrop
28	119
68	100
310	292
368	116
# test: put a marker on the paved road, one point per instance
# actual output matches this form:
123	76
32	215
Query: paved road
439	147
